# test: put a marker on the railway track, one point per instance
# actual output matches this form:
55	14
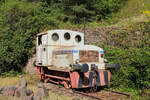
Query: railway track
106	95
100	95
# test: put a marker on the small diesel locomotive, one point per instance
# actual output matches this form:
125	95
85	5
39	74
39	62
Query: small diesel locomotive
63	58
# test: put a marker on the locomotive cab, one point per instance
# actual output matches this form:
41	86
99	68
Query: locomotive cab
62	48
63	58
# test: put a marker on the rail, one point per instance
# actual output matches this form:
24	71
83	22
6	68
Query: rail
100	95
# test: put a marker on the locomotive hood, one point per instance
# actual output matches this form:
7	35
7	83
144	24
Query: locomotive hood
82	47
81	54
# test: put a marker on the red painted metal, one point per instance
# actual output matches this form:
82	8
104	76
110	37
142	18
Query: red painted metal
39	72
74	77
71	79
57	77
53	81
102	78
65	84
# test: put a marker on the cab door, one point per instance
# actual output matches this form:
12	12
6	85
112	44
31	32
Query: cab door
42	50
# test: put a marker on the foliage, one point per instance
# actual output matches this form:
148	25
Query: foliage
135	67
21	20
11	73
19	23
131	49
76	10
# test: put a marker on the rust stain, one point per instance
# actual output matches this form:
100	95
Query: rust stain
88	56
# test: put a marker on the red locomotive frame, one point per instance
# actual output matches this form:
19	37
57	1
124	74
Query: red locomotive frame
70	79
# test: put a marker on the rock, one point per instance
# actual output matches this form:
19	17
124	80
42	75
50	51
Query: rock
20	92
27	98
29	68
28	92
8	91
22	83
40	85
41	92
36	98
1	89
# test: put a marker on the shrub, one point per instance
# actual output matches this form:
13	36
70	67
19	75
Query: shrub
135	67
76	10
20	21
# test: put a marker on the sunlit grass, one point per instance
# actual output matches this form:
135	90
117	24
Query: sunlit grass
32	81
7	81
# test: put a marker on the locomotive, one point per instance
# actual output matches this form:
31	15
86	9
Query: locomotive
63	58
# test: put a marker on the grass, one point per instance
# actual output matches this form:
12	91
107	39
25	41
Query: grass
9	81
32	81
57	96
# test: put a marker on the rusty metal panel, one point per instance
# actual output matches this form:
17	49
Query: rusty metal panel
89	56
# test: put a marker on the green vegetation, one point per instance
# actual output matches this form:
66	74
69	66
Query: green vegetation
135	67
21	20
131	48
19	23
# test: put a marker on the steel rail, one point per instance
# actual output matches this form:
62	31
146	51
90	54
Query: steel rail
102	98
94	97
113	95
122	93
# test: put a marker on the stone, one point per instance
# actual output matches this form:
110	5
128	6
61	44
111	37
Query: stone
40	85
22	83
8	91
1	89
41	92
36	98
28	92
20	92
27	97
29	68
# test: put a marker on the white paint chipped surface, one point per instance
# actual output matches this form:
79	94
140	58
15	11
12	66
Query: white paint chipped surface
63	59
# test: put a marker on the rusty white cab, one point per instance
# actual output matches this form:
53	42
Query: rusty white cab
60	49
